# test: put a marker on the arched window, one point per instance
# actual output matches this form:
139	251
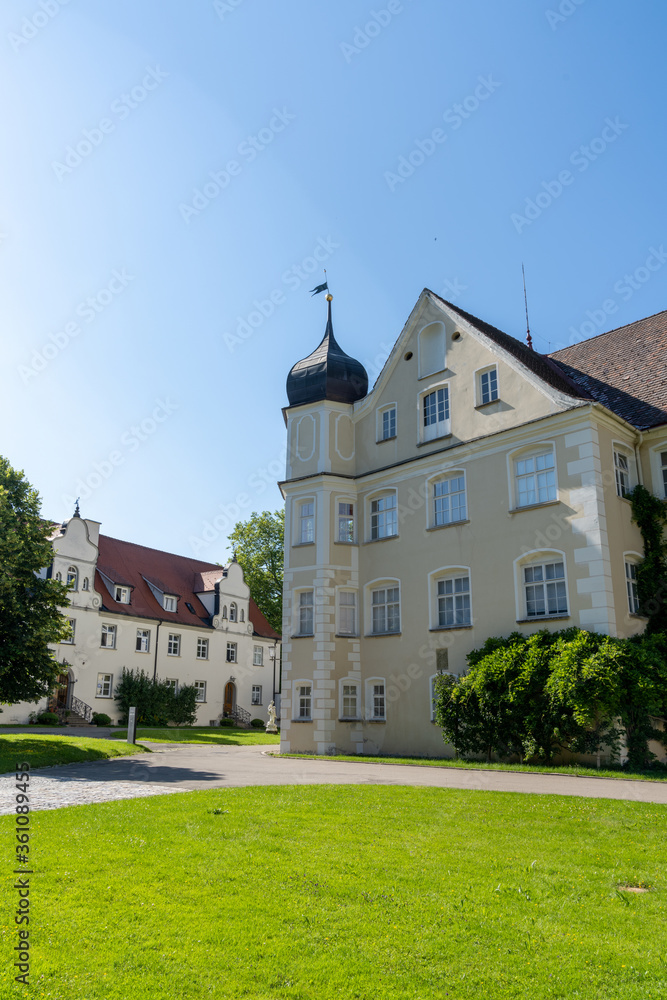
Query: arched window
224	611
59	577
85	583
72	577
232	612
242	615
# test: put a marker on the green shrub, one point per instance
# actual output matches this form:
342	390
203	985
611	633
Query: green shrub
100	719
226	722
258	723
48	719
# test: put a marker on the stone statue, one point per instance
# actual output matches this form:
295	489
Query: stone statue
271	727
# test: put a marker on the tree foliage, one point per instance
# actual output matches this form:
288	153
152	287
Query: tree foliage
537	695
30	607
156	702
259	547
650	514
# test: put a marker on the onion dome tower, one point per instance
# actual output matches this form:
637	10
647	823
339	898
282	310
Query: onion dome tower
327	373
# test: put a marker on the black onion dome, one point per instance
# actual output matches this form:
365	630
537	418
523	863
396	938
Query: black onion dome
327	373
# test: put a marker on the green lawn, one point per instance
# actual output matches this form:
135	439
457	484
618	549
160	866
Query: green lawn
654	774
44	750
345	893
203	734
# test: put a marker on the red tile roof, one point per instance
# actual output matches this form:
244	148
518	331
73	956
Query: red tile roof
135	564
624	369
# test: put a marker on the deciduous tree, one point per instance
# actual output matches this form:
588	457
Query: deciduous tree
258	544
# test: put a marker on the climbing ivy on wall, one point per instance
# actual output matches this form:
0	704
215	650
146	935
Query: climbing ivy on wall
650	513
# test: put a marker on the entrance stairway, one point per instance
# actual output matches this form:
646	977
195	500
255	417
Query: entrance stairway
78	714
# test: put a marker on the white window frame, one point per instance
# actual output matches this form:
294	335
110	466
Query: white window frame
108	632
233	612
659	469
302	703
539	557
169	603
663	471
344	521
300	615
143	638
71	638
525	454
174	644
623	451
172	682
202	648
306	521
256	694
106	684
345	627
72	572
432	505
124	593
439	428
201	690
349	699
380	422
382	584
631	559
481	390
258	656
232	654
450	573
371	696
378	521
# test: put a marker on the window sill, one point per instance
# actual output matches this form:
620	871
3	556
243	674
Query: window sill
339	541
302	720
384	538
302	545
349	718
449	628
635	614
377	722
541	618
532	506
67	642
176	655
490	402
441	437
346	635
382	440
379	635
302	635
106	697
450	524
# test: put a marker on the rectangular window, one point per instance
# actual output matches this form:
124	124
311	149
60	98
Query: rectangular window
122	595
436	413
72	630
385	611
349	701
169	603
231	652
258	656
545	590
454	601
172	682
108	636
384	517
663	465
449	500
306	612
536	479
256	698
488	386
304	697
307	522
389	424
143	640
622	472
104	685
631	585
347	617
173	645
345	522
378	702
201	690
202	649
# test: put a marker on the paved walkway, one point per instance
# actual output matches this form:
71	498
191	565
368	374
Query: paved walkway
194	766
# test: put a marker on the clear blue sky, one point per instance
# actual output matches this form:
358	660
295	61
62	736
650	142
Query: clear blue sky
117	111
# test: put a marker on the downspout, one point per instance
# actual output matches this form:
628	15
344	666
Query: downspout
638	465
157	639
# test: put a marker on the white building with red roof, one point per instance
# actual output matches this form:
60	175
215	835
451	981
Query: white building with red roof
175	618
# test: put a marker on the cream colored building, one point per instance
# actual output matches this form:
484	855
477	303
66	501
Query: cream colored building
477	489
175	618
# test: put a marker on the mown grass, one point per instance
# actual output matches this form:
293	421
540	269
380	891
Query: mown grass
653	774
44	750
345	893
204	734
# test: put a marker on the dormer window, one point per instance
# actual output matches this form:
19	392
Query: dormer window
122	595
169	603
